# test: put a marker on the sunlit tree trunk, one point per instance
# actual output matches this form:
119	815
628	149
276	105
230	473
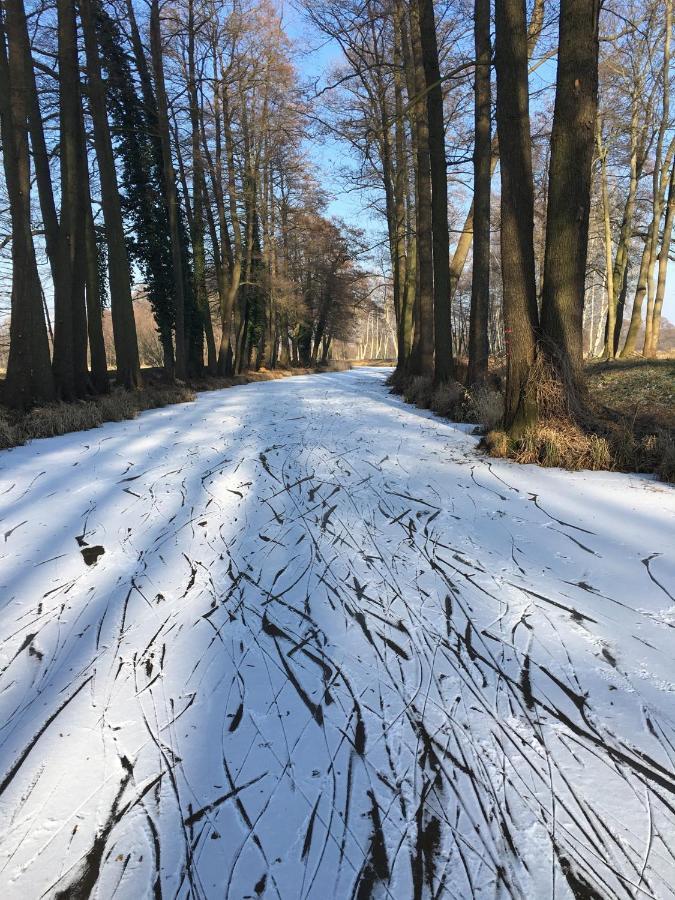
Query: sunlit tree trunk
517	211
651	349
569	191
198	253
443	364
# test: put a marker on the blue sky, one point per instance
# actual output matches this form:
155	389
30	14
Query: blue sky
314	58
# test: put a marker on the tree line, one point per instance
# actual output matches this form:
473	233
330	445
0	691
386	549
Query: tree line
164	145
433	99
161	145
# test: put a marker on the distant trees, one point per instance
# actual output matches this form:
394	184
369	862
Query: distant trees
176	162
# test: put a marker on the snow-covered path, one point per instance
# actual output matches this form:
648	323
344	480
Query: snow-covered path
297	640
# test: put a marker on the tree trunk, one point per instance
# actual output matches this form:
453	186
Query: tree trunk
121	306
443	364
569	191
69	361
651	348
171	198
29	376
422	355
611	293
404	320
479	347
517	211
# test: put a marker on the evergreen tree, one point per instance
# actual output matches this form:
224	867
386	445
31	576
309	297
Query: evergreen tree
148	242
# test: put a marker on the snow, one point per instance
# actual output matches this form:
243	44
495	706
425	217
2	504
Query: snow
297	639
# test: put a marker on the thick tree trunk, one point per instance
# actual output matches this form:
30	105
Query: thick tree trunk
121	306
459	257
517	211
482	175
569	191
29	377
443	364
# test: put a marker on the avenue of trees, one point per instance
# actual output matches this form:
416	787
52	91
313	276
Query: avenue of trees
521	155
548	128
160	145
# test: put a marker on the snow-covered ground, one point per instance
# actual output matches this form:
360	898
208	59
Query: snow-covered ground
298	639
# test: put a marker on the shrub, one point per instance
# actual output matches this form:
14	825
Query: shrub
419	391
447	400
485	405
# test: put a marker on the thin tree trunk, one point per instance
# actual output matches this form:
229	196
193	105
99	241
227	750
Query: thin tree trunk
404	320
479	347
659	179
198	253
69	362
611	294
124	325
651	349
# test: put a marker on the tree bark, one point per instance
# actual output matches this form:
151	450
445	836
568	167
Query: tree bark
422	356
569	191
609	270
69	362
29	377
650	349
517	211
443	363
479	347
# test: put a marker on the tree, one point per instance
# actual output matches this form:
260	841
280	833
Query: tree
482	176
569	191
443	366
126	345
517	212
29	376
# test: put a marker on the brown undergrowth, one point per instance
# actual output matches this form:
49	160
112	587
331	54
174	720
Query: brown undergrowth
625	423
16	428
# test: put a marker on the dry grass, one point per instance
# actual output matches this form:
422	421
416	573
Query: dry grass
627	422
553	442
485	405
63	418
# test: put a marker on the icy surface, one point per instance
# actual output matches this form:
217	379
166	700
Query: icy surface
297	639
